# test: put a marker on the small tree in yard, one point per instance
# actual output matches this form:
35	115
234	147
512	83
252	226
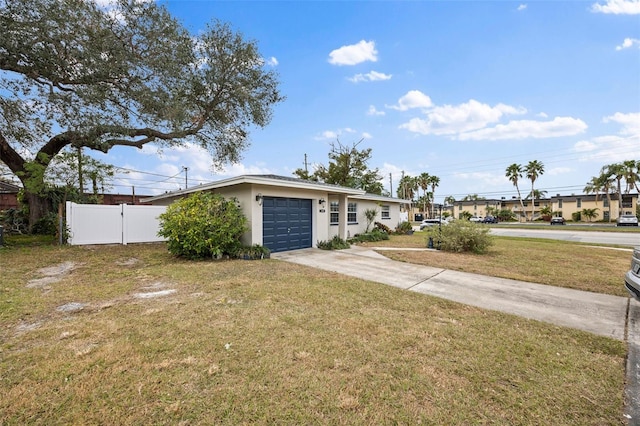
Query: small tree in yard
203	225
370	215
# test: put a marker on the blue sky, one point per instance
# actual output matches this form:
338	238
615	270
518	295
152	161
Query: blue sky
457	89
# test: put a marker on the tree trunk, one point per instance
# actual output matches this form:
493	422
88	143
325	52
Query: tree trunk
38	207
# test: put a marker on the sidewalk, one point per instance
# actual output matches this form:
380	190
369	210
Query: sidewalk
601	314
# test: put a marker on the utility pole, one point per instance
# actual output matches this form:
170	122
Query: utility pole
390	185
186	170
306	170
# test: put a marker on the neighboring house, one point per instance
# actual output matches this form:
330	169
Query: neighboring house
8	196
286	213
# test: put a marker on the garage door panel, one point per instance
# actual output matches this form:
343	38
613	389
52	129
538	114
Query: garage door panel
286	223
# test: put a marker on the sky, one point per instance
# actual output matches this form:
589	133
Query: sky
456	89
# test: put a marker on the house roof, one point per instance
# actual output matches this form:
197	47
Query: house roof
381	198
8	188
278	181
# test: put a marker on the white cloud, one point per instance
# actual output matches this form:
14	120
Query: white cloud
242	169
370	76
622	146
413	99
522	7
524	129
628	42
585	146
542	115
618	7
453	119
272	61
327	134
630	122
333	134
366	135
373	111
557	171
354	54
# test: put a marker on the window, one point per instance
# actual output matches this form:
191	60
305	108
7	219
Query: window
560	203
578	202
605	202
352	213
385	212
334	212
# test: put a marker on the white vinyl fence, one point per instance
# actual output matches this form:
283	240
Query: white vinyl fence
122	224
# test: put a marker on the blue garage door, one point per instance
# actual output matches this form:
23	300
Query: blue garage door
286	223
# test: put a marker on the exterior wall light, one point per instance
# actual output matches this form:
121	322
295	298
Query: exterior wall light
259	199
321	201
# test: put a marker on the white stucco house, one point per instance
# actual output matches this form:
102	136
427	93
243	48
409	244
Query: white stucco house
286	213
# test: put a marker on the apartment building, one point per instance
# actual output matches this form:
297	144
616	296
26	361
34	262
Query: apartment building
560	205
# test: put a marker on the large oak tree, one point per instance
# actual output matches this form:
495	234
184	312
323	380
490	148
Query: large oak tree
74	74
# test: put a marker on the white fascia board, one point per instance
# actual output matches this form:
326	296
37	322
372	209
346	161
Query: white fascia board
373	197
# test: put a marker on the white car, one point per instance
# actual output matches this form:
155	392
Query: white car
476	219
430	222
627	220
632	277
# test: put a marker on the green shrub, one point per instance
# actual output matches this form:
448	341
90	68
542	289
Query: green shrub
203	225
253	252
374	235
46	225
461	236
336	243
404	228
382	227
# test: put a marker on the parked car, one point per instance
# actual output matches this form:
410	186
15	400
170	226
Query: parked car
475	219
632	277
557	220
430	222
490	219
627	220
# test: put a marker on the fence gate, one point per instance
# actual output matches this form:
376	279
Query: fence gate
121	224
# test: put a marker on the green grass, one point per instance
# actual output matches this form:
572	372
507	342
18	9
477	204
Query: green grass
267	342
552	262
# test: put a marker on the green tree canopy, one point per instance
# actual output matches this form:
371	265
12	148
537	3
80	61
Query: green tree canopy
75	74
347	167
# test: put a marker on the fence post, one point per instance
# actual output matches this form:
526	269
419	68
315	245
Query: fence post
124	223
69	209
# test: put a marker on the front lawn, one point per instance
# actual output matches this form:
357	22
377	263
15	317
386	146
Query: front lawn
558	263
130	335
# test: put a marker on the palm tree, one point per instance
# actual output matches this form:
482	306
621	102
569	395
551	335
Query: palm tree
513	173
423	183
434	181
631	174
606	180
590	213
533	170
617	172
594	186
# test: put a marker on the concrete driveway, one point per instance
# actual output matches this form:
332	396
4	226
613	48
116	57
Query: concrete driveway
611	316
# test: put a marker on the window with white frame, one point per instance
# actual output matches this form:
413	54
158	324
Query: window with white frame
352	213
334	212
385	212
